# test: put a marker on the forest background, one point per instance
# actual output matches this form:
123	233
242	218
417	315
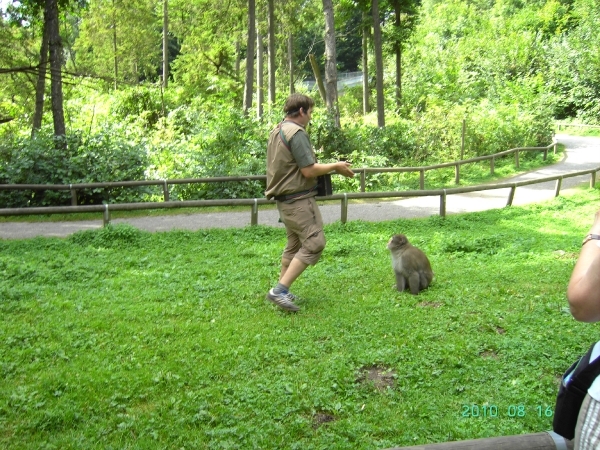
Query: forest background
140	89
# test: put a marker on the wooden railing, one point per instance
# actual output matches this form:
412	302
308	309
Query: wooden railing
548	440
344	198
567	125
363	172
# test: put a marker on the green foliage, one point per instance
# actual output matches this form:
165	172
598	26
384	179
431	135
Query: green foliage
541	65
211	143
141	103
111	236
117	338
119	41
105	156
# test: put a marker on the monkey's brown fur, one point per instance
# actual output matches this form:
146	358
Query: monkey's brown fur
410	265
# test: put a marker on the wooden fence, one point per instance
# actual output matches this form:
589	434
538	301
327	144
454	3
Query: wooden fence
363	172
344	198
567	125
537	441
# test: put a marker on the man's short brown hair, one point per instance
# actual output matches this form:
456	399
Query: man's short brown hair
295	102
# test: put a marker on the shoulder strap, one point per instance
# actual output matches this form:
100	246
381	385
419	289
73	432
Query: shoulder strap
585	373
284	141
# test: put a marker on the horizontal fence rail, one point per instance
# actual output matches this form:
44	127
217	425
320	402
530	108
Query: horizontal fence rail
344	198
364	171
548	440
567	125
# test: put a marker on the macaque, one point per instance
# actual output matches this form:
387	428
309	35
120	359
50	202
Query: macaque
410	265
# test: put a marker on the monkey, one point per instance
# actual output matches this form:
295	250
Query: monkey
410	265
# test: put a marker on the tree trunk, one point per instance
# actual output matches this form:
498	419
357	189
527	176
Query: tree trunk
40	86
378	64
260	83
165	43
271	50
318	77
114	36
55	47
398	51
365	64
291	62
330	62
237	59
248	87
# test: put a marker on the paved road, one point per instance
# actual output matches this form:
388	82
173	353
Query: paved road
581	153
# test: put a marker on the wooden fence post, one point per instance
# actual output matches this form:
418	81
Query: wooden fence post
254	218
462	143
443	204
511	195
73	195
344	217
106	215
165	191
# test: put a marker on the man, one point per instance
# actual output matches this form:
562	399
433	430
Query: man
583	294
292	172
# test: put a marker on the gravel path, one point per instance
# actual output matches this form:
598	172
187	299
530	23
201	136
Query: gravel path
581	153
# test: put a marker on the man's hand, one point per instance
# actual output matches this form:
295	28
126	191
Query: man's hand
343	168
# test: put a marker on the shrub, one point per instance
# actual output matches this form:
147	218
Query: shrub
103	157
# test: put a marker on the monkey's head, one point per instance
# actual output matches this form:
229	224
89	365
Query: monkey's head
397	241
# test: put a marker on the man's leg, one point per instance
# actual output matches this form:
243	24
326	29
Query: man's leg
304	227
292	272
285	263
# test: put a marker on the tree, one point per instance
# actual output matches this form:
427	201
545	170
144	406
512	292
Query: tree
213	37
260	82
330	62
120	40
249	84
377	42
291	65
271	51
55	49
40	86
165	71
366	34
404	22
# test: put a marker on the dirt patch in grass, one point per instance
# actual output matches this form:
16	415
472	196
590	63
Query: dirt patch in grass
322	418
429	304
380	377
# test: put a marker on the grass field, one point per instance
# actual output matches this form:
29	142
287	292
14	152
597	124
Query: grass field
122	339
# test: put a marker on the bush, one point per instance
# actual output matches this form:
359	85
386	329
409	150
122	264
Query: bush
103	157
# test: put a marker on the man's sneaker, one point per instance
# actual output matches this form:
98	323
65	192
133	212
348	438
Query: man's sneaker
284	301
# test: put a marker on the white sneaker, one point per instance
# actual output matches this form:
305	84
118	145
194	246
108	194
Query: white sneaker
284	301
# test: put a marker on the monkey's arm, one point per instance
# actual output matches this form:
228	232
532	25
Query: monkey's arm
583	291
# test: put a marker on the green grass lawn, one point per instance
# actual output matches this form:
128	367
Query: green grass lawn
118	338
